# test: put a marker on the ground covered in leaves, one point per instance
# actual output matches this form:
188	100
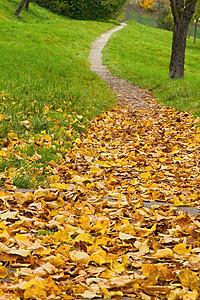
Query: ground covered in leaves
89	235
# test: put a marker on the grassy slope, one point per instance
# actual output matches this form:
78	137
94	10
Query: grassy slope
142	54
144	18
45	82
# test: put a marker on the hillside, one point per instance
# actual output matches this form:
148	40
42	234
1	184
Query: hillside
45	83
141	54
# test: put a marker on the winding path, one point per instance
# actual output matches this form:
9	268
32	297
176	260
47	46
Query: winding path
126	93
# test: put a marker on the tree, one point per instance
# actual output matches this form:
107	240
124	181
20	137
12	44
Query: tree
195	21
21	5
182	11
85	9
155	5
146	4
165	19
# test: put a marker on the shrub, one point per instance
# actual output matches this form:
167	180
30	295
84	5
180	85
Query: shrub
165	20
85	9
56	6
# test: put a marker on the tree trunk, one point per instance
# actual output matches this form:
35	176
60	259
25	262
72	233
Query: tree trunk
182	12
21	5
176	69
18	10
195	32
190	31
27	4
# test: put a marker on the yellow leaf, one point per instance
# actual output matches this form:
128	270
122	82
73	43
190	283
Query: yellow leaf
117	293
189	279
99	257
34	289
154	186
12	136
56	261
3	153
107	274
117	267
2	194
108	295
151	272
167	273
84	222
3	272
177	202
32	282
164	253
102	163
144	248
101	225
178	158
43	251
124	260
59	186
61	236
102	240
21	237
181	249
145	175
54	178
3	230
78	141
148	168
85	237
131	189
94	169
79	256
116	143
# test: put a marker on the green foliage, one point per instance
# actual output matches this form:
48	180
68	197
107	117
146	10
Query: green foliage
85	9
165	20
60	7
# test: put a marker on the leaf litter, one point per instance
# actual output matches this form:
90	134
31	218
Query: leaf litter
89	234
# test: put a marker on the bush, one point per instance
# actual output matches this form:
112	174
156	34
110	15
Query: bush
56	6
165	20
85	9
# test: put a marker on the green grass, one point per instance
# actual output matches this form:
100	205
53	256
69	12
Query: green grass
141	54
47	90
144	18
149	18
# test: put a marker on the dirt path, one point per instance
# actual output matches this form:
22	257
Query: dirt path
127	94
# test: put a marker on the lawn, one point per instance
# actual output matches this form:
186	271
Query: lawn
47	90
141	54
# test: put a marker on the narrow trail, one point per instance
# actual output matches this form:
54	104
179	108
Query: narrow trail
91	234
128	94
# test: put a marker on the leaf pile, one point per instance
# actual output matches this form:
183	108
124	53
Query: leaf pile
89	235
145	155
